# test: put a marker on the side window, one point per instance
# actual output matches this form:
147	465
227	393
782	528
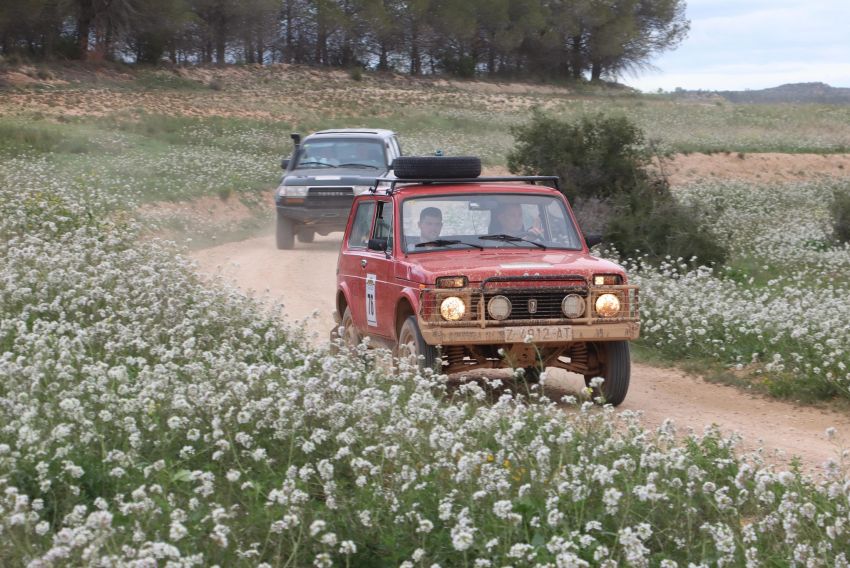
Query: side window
384	223
396	147
359	236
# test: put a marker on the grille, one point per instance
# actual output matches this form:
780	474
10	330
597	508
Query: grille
548	302
330	196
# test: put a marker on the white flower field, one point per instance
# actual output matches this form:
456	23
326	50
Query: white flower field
787	315
151	418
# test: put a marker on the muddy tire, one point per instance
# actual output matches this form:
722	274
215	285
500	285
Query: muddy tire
306	235
285	233
410	342
616	363
350	335
437	167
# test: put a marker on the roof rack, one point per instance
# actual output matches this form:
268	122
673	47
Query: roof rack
443	181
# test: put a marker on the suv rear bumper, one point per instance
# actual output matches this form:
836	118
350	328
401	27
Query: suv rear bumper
435	334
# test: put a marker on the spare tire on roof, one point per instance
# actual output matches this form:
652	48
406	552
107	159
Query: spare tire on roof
437	167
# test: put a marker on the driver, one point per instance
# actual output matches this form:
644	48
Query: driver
509	221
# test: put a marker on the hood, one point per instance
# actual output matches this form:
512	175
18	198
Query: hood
477	265
332	176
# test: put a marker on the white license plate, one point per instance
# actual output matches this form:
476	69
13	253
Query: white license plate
539	334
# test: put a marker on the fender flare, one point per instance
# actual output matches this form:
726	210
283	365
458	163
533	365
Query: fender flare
411	296
342	292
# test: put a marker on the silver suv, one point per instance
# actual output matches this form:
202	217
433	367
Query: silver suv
322	176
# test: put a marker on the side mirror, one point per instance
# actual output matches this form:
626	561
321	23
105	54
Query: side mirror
593	240
284	164
377	244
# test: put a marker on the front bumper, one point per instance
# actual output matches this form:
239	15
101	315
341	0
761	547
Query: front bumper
542	328
335	217
438	335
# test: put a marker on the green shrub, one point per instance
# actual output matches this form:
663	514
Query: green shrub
603	165
649	221
355	74
841	217
596	156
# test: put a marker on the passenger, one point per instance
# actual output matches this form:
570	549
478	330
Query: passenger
507	219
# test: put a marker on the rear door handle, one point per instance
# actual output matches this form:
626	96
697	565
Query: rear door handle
363	263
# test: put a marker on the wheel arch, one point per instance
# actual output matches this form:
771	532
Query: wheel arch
407	305
342	299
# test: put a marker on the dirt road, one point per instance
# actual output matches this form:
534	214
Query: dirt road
304	280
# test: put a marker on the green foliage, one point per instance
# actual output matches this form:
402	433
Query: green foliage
649	221
841	216
595	156
16	136
603	161
504	37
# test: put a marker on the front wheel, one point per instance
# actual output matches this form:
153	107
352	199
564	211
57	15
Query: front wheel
285	233
411	343
616	368
345	331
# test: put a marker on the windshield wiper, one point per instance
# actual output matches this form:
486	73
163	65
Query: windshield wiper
315	164
510	239
445	243
358	166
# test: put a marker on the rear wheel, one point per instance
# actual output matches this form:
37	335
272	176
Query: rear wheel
615	362
285	233
306	235
411	343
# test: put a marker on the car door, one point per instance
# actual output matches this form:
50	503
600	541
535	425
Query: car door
354	259
380	275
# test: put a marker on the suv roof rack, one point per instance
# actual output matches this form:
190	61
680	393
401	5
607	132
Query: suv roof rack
443	181
353	131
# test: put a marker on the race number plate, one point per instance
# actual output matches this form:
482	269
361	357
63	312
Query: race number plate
539	333
371	307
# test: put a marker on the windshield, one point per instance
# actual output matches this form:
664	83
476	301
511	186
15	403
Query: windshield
495	220
341	152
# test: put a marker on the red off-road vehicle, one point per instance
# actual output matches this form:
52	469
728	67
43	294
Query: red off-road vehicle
469	272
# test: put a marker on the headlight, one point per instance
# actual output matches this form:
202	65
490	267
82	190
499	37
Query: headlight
452	308
573	306
607	305
499	307
358	189
293	190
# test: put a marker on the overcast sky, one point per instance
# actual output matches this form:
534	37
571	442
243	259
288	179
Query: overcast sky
753	44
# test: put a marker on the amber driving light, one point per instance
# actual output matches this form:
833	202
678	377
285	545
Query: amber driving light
607	305
499	307
451	281
452	308
573	306
607	280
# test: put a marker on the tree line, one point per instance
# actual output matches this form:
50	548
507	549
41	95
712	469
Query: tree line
563	38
